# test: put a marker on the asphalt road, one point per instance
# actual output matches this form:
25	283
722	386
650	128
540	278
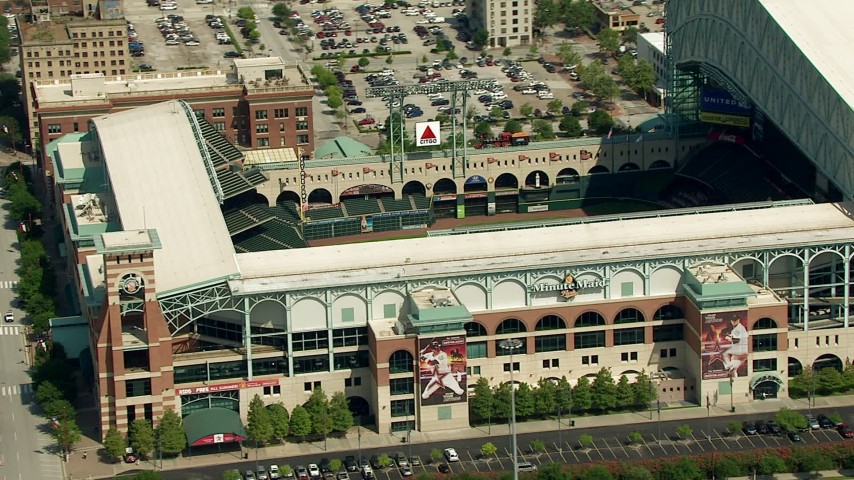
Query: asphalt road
609	444
26	452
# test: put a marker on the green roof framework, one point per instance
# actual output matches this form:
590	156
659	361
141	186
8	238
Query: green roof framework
342	147
213	425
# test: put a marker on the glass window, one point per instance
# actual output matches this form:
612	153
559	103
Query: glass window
389	310
519	351
302	111
262	128
401	361
628	336
668	312
271	336
346	361
402	408
589	319
231	332
191	373
311	364
764	343
348	315
302	139
218	112
549	343
269	366
550	322
629	315
235	369
511	325
349	337
476	349
474	329
765	365
764	324
301	125
310	341
401	386
260	114
667	333
590	339
138	388
280	113
54	128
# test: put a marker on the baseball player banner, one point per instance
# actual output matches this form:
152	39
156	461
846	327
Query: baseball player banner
442	369
724	344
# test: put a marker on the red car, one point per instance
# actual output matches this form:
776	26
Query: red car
367	121
659	21
845	431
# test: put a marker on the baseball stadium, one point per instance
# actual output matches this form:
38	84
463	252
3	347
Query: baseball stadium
713	253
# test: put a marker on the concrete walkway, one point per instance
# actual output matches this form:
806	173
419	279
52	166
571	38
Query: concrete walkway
92	467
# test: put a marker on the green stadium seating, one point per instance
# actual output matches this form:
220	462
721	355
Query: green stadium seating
360	206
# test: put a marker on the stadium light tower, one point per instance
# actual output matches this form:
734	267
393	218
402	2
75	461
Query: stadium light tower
511	345
395	94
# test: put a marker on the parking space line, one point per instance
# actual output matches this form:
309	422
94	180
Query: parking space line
598	451
560	452
623	447
697	442
647	446
546	451
473	461
574	455
499	460
750	441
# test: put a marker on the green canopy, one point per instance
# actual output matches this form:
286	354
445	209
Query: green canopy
213	425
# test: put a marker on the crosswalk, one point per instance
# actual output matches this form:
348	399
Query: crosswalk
8	284
10	330
14	390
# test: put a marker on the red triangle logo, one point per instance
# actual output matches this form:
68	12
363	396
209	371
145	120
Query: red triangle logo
428	134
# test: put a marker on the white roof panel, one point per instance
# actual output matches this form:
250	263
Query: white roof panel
550	247
822	31
159	181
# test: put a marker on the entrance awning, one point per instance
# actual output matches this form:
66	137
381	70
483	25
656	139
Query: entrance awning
765	377
213	425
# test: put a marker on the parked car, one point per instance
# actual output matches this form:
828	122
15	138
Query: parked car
451	455
350	463
812	422
249	475
444	468
749	428
232	54
774	428
526	467
262	473
325	467
274	472
793	435
313	469
405	472
302	472
825	422
761	427
845	431
342	475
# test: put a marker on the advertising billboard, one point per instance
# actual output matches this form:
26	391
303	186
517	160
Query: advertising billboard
724	344
725	119
427	134
721	101
442	369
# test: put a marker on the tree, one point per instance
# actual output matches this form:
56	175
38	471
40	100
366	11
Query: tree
684	431
524	400
790	419
630	35
114	443
389	60
644	390
604	88
471	112
170	432
603	390
526	110
364	62
281	10
585	440
147	475
488	449
567	54
682	469
231	475
727	467
501	401
513	126
24	205
554	106
771	463
635	472
828	381
579	108
545	14
335	464
609	40
589	74
300	422
635	438
735	427
545	402
481	37
480	403
543	129
600	122
538	446
141	437
624	395
334	102
5	49
581	394
66	433
597	472
339	412
59	408
496	112
279	420
46	393
507	52
258	425
246	13
639	76
384	460
436	455
578	14
563	395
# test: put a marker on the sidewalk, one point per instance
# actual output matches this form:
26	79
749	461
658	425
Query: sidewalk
79	468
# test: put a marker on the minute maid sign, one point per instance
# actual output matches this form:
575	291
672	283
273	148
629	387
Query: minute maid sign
570	287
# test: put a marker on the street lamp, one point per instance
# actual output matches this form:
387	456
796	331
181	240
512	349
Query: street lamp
731	395
511	345
658	407
708	418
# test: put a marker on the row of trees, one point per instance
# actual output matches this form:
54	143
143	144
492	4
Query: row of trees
319	416
167	438
637	75
574	14
548	397
11	111
37	283
55	390
827	381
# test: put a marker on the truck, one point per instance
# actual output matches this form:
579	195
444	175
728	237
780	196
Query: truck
504	139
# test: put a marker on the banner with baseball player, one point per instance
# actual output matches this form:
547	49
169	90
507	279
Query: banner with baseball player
442	367
724	344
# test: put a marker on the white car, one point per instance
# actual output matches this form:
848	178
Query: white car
192	43
499	96
529	91
546	95
169	6
172	42
274	472
313	470
9	317
451	455
262	473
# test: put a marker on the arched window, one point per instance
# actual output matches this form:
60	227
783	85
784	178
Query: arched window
511	325
401	361
629	315
474	329
550	322
589	319
765	323
668	312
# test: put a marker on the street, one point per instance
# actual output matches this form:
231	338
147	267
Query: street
609	444
26	450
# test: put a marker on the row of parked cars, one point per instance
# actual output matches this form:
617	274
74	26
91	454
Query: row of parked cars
176	31
761	427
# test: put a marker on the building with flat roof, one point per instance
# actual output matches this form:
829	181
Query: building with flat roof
724	302
509	22
615	14
257	103
651	48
